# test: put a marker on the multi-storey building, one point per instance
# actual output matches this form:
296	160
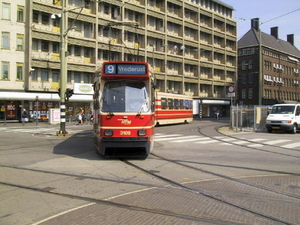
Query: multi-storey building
191	46
268	68
12	56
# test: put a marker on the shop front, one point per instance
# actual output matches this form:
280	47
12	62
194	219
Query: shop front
38	104
208	108
10	110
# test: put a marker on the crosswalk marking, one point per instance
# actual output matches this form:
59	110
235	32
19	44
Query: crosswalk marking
193	139
223	140
257	139
240	142
255	145
275	142
293	145
206	142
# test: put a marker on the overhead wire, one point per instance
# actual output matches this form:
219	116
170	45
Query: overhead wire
280	16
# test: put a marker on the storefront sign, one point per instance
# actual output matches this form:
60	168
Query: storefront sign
11	111
84	89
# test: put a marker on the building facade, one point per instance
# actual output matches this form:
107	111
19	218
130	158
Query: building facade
268	68
191	46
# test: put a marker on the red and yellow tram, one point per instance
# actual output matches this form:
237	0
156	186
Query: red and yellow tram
173	108
126	109
123	107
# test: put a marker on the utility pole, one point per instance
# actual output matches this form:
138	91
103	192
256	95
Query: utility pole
63	69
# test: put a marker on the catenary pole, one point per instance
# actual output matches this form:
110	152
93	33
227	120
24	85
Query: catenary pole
63	69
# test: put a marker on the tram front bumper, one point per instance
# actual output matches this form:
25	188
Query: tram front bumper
133	147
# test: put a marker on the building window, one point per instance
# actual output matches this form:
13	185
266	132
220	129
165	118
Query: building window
86	78
250	78
5	11
35	17
45	46
35	44
55	47
34	76
5	40
77	51
244	65
87	52
250	66
19	71
20	14
243	93
5	70
250	93
69	78
20	42
45	75
45	19
244	78
55	77
77	78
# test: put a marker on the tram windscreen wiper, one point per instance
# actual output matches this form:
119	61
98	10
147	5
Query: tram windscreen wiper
141	108
108	107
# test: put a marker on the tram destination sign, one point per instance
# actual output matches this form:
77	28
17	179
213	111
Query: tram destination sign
125	69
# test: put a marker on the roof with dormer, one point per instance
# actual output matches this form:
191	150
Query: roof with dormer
252	37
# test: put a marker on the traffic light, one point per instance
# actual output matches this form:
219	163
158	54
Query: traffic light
69	93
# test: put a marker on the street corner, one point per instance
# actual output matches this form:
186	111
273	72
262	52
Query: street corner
227	130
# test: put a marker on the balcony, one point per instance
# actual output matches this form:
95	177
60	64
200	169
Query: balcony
204	76
189	74
203	94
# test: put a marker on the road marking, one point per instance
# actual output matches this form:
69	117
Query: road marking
293	145
228	139
172	138
257	139
65	212
193	139
255	145
275	142
206	142
240	142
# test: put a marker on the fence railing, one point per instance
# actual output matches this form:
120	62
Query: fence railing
244	118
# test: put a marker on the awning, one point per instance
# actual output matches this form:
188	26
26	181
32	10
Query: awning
293	59
215	102
31	96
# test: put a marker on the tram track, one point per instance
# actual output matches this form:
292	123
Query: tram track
213	196
170	184
110	201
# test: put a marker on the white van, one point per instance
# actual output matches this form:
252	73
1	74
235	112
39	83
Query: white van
284	117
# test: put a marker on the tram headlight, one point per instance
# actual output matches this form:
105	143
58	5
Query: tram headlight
142	132
108	132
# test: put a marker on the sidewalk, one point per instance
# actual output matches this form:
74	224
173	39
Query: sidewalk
40	124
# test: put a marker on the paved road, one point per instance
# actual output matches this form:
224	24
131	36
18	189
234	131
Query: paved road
195	175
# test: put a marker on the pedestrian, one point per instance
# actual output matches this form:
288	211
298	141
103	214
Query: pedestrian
217	114
24	116
91	116
80	116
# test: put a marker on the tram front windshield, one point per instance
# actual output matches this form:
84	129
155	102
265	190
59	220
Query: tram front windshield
125	96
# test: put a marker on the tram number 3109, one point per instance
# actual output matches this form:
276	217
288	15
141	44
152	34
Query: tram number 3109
125	132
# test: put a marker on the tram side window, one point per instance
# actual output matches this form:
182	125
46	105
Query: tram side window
181	104
187	104
170	103
176	103
163	103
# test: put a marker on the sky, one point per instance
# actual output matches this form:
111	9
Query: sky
284	14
